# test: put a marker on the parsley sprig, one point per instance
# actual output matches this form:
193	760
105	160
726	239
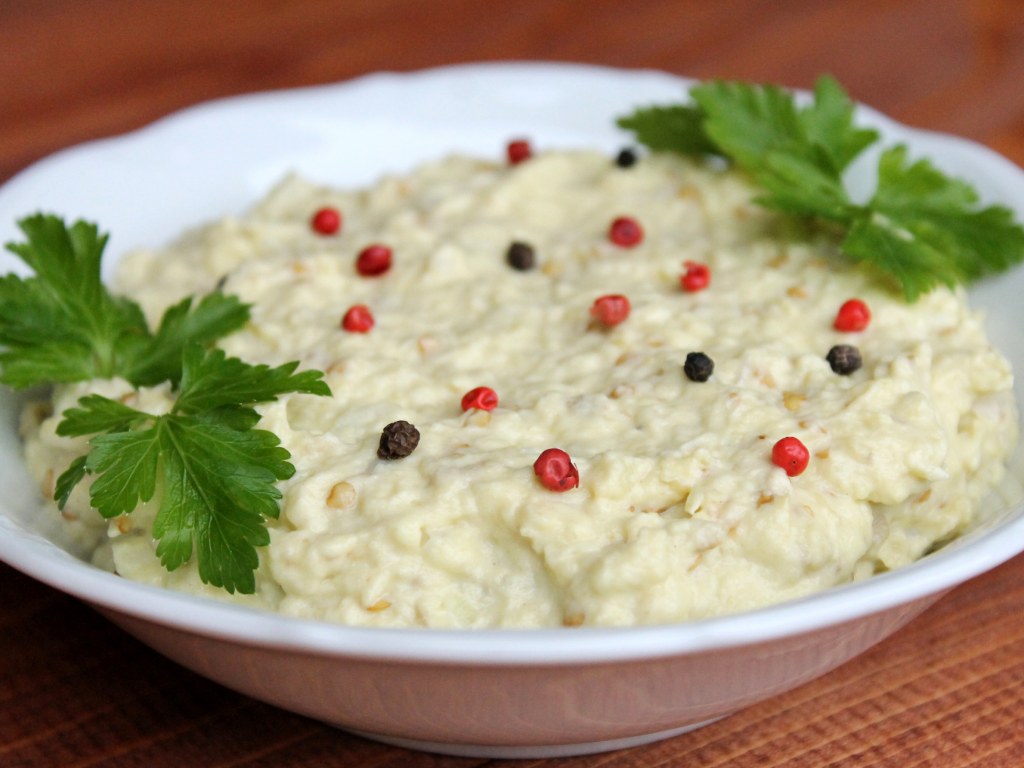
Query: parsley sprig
216	474
64	325
213	473
919	230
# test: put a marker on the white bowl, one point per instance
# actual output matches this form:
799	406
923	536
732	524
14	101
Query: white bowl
485	693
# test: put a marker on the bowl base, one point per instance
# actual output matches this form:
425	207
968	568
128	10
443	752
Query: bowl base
532	750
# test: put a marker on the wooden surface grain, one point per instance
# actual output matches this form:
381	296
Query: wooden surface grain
74	691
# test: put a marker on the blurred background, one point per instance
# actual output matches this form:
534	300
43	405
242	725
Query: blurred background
74	691
72	70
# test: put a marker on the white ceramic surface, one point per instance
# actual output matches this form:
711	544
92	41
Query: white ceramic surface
490	693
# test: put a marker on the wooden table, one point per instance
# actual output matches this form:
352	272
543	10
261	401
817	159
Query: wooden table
74	691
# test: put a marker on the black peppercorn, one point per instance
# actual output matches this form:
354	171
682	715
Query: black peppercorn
698	366
398	440
844	359
626	158
520	256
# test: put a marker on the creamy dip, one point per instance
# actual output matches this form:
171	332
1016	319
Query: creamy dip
680	512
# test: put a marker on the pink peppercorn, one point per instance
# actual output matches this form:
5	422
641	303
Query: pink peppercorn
625	231
518	150
358	319
611	309
373	260
326	221
481	398
697	277
853	315
556	470
790	454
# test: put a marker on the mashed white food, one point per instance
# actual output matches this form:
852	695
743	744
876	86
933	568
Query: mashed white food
680	512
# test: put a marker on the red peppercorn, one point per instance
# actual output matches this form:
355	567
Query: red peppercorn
696	277
626	232
481	398
519	150
358	319
853	315
556	470
326	221
790	454
611	309
373	260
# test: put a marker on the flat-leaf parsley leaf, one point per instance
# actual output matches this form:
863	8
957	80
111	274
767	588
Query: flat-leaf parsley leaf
64	325
920	229
211	471
216	474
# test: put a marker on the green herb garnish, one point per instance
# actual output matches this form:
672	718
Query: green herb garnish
63	325
920	229
212	471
